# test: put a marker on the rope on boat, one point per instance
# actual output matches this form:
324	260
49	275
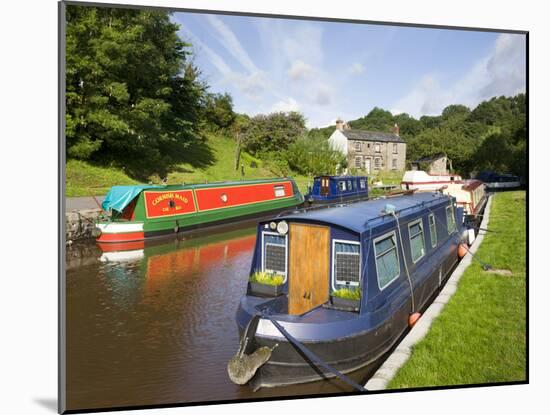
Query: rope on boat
312	356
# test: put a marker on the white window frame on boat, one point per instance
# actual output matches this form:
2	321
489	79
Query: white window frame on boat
410	224
374	241
453	218
286	253
333	271
433	240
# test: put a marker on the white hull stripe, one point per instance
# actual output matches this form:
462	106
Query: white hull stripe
117	227
122	256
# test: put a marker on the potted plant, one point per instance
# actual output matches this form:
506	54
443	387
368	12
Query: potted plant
265	284
346	298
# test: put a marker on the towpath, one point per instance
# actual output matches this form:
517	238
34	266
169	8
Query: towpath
79	203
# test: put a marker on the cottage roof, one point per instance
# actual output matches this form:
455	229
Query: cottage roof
356	216
428	159
362	135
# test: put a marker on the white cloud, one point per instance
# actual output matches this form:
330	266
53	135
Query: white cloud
300	71
230	42
356	69
323	95
286	105
502	72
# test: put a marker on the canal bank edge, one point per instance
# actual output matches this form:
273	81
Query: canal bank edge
401	354
80	224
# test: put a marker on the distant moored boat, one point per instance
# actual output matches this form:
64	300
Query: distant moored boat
144	211
330	189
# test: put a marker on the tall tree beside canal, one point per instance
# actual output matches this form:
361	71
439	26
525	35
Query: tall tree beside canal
133	98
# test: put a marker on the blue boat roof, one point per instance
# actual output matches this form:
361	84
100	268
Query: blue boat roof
358	216
341	177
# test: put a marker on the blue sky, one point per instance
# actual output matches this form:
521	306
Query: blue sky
327	70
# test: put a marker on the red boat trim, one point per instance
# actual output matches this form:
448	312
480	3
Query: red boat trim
210	198
120	237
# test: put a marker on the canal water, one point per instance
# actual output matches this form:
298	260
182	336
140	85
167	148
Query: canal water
155	324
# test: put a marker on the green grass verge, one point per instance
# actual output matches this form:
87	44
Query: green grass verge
84	179
480	336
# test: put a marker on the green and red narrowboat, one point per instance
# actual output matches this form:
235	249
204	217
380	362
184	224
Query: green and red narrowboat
144	211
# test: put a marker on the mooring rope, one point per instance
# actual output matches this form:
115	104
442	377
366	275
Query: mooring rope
312	356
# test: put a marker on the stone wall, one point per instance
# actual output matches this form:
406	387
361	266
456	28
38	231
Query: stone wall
367	151
80	224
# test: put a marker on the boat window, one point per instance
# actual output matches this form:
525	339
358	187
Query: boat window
387	261
342	185
416	237
274	253
362	183
346	263
279	191
349	185
433	230
451	226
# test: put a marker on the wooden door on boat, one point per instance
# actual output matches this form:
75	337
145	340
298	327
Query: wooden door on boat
324	186
308	267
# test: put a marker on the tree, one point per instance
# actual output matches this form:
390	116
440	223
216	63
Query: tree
218	111
273	132
376	120
313	156
132	98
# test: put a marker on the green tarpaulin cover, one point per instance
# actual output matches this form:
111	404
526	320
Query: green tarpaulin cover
120	196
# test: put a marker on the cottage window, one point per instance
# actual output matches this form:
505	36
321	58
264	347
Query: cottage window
451	225
358	146
377	162
377	147
416	237
387	260
368	145
358	162
433	230
279	191
274	253
394	148
394	164
346	262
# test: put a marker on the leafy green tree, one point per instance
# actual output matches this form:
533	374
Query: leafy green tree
133	99
218	111
273	132
377	119
313	156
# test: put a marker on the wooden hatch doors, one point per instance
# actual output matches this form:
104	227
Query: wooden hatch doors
308	283
324	186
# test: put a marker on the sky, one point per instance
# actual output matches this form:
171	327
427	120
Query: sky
328	70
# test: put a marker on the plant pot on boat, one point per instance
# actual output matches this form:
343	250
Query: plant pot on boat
264	284
346	299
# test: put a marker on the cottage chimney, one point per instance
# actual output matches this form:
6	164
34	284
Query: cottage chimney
339	124
396	129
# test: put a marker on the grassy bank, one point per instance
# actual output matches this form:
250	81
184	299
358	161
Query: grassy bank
480	336
84	179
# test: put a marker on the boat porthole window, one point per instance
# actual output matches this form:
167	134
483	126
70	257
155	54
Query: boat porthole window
346	260
433	230
172	204
387	259
223	197
416	239
280	191
274	253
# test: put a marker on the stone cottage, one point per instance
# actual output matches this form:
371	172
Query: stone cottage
434	165
369	151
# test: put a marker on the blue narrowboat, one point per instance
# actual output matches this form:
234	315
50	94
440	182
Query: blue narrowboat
330	189
389	255
495	181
